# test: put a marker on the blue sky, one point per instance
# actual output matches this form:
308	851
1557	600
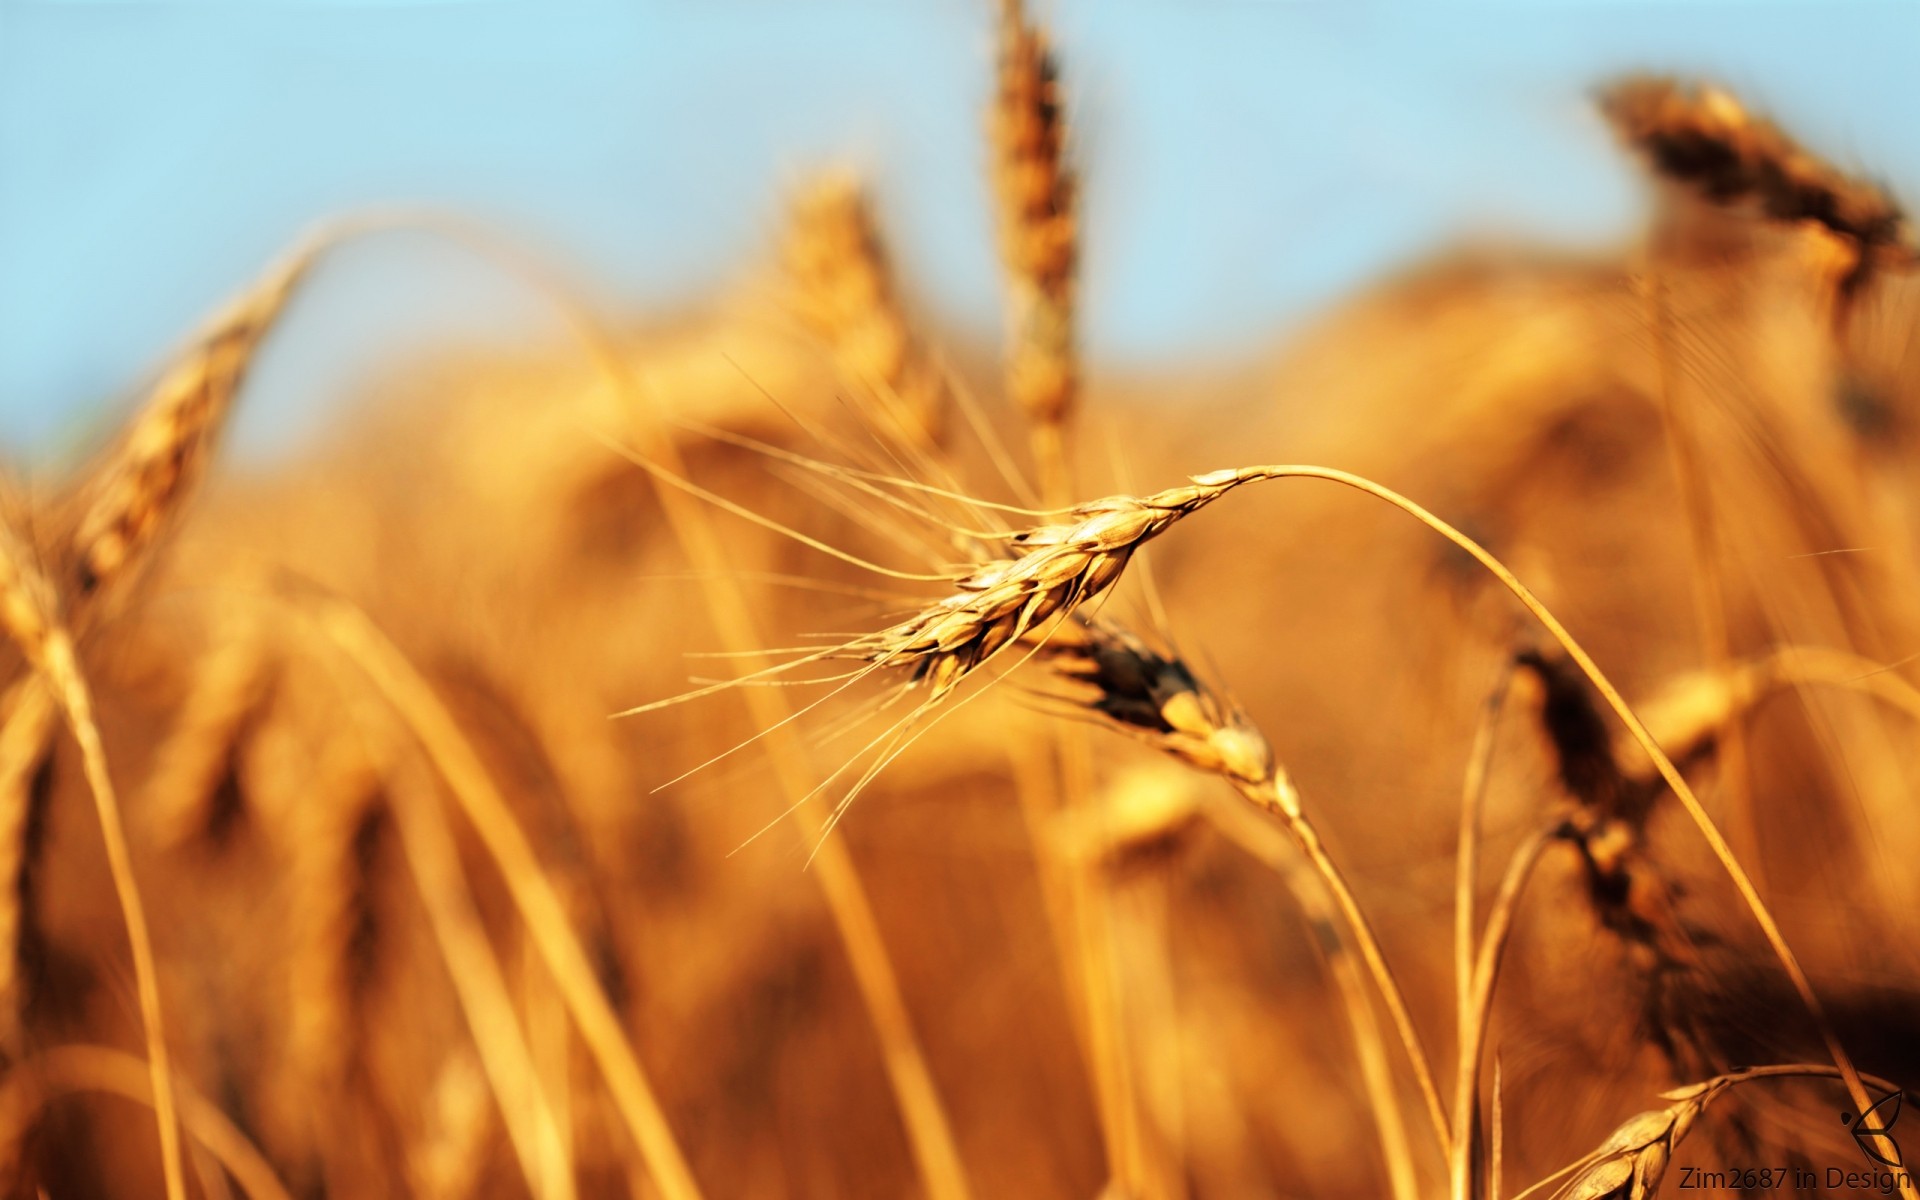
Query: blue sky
1245	161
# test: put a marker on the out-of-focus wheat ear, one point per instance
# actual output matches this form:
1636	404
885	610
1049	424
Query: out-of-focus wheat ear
842	286
148	475
185	791
334	830
1630	1164
1703	140
1036	194
27	721
29	614
422	713
449	1156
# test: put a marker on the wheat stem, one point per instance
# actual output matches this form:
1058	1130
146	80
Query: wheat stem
533	894
1283	801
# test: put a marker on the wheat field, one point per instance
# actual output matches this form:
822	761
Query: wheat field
784	751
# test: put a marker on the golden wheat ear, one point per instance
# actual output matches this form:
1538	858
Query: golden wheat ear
126	501
841	285
1703	140
1036	194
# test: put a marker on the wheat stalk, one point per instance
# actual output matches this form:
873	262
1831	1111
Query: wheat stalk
539	904
28	718
29	613
1159	699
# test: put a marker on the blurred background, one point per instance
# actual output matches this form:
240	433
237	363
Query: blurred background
1244	162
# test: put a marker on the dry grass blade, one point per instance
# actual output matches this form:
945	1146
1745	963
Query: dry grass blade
1279	798
1476	1018
1466	878
1253	833
533	894
29	613
65	1069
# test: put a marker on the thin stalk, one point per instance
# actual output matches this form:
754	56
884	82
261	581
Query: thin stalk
1709	592
1473	792
1272	847
479	984
64	672
532	892
1280	799
1479	1013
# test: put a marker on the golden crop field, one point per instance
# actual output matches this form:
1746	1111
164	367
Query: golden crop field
778	753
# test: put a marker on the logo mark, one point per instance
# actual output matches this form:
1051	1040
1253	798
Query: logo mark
1872	1130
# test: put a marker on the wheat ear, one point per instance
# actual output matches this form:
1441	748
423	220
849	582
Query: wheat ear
843	288
1703	139
1035	189
147	477
1160	700
1630	1164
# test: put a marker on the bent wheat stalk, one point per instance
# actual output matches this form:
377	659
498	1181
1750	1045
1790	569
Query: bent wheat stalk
1159	700
30	615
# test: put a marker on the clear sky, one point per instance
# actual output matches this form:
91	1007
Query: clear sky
1245	161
